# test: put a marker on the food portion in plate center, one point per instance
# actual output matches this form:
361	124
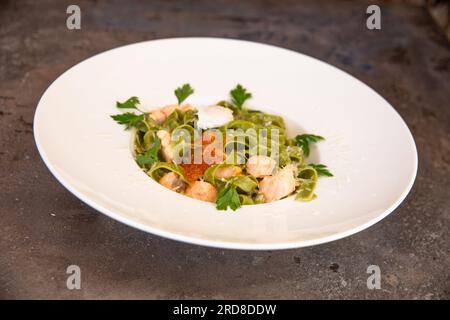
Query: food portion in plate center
224	153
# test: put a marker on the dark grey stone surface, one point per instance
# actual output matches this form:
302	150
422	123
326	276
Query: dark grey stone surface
44	228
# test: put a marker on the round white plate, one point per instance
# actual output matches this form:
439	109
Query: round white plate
368	147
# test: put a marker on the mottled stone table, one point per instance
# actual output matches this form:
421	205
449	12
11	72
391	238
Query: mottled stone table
44	228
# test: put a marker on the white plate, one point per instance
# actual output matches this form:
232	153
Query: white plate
369	148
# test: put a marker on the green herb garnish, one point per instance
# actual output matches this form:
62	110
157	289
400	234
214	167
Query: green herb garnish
129	119
228	197
183	92
129	104
151	155
321	169
239	95
303	141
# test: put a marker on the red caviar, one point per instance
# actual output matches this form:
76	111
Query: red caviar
194	171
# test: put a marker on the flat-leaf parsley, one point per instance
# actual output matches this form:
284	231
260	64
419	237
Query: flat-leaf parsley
303	141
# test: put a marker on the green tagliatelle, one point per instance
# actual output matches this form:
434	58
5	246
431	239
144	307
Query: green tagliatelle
160	168
210	173
307	178
246	184
246	200
250	133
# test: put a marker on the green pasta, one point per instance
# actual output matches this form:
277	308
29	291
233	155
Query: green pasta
308	179
254	161
160	168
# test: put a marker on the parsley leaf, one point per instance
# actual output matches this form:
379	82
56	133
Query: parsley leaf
151	155
303	141
183	92
228	197
239	95
321	169
129	104
129	119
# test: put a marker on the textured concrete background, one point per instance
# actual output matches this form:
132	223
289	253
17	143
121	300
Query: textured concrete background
44	228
